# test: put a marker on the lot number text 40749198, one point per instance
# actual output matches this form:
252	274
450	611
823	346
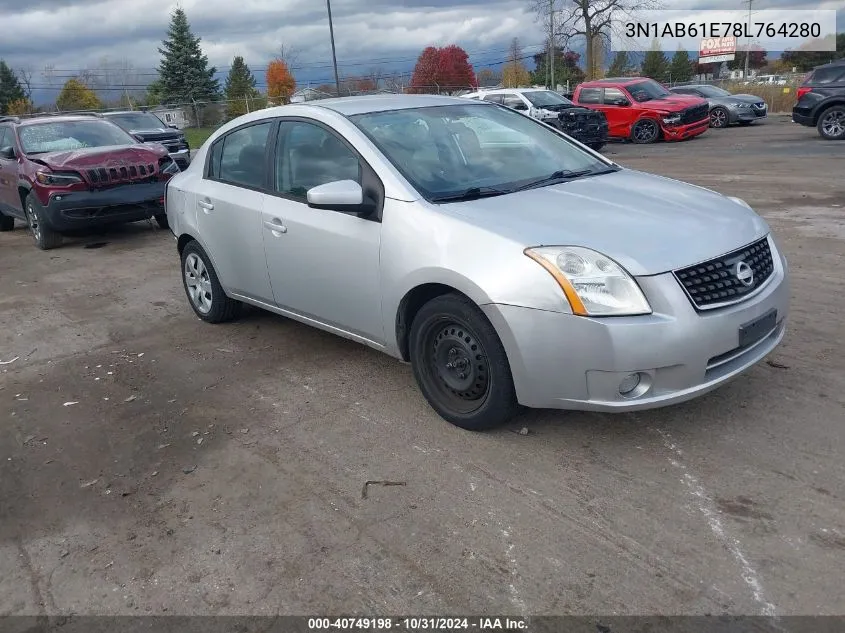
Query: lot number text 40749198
481	624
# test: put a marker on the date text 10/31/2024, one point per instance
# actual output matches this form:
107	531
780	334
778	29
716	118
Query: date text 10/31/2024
723	29
419	624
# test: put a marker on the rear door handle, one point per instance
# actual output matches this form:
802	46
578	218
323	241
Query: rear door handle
276	226
206	205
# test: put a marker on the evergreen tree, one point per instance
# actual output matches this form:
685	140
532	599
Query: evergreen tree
184	74
619	66
655	64
240	88
681	67
10	88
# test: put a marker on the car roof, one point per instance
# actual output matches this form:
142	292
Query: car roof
63	118
350	106
622	81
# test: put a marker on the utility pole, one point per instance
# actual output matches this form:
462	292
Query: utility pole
334	56
552	83
748	44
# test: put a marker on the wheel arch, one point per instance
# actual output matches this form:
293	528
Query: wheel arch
824	105
24	188
420	294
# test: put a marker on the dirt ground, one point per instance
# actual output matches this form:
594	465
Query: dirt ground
151	464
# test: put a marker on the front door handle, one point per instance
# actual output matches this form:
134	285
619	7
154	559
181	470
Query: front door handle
206	205
276	226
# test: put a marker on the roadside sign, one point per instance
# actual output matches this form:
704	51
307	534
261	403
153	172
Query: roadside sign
717	49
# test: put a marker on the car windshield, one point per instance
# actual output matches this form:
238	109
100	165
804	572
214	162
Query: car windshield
713	91
138	121
482	148
541	98
60	136
647	90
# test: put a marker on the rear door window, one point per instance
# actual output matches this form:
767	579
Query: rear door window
829	75
589	95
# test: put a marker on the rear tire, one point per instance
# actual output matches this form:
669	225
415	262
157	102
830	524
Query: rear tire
7	223
202	287
645	131
460	364
831	125
719	118
45	237
161	218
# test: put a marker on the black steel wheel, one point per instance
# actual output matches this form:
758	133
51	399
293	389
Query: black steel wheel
460	364
645	131
831	125
719	118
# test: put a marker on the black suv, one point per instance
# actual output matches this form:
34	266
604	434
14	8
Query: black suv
821	101
148	128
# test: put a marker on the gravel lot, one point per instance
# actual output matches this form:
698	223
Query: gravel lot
150	463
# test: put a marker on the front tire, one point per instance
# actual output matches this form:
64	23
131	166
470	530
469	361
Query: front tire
645	131
831	125
161	219
595	146
460	364
7	223
202	287
44	236
719	118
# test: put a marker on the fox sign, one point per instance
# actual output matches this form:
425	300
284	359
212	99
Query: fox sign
717	49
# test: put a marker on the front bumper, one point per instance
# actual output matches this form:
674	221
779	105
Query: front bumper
123	203
182	158
748	114
682	132
562	361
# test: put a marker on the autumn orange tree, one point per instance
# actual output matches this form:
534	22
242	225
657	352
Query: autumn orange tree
20	106
280	82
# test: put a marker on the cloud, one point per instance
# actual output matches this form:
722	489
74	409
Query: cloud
71	35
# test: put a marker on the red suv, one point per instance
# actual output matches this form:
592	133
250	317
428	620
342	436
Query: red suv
59	173
640	109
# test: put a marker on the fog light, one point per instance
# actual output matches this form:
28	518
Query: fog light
629	383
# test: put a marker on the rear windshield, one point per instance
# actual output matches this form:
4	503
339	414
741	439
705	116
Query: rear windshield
62	136
826	75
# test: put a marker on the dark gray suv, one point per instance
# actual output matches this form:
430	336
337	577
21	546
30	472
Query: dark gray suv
821	101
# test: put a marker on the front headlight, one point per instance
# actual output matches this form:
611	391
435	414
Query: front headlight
58	179
673	119
594	284
742	105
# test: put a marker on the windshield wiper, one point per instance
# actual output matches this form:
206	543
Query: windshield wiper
473	193
562	174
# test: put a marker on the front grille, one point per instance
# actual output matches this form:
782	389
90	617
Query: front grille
716	282
125	173
694	114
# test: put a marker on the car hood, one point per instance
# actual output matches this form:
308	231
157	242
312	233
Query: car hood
647	223
90	157
740	98
675	103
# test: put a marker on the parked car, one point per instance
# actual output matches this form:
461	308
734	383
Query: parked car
582	124
148	128
60	173
767	80
821	101
726	108
506	262
642	111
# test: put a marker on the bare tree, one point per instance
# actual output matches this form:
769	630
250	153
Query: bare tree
25	74
590	19
288	54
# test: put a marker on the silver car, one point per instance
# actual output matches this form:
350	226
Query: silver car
507	263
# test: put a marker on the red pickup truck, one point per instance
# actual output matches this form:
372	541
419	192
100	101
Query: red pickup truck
640	109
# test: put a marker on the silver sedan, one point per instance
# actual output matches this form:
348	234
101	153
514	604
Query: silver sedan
507	263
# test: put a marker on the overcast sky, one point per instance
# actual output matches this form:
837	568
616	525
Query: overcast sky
75	34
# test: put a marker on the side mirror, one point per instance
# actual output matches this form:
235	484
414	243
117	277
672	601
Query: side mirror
172	126
520	106
8	153
345	196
